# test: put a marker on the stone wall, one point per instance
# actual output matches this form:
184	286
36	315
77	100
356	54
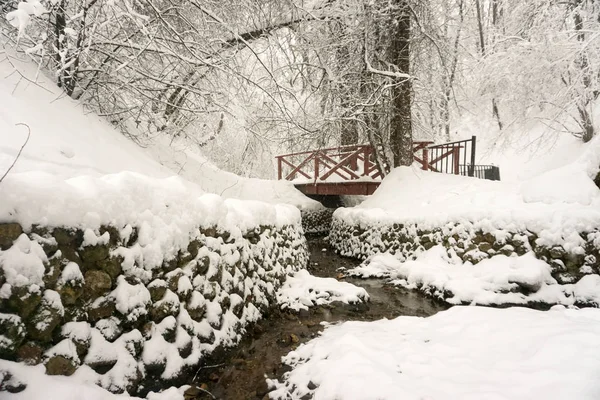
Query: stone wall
574	258
317	221
72	299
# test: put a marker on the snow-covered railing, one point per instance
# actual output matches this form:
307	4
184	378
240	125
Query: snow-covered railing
354	170
344	163
336	163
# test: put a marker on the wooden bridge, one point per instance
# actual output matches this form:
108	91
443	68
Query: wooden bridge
352	170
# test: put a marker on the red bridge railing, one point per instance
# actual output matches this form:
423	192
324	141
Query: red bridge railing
344	163
354	170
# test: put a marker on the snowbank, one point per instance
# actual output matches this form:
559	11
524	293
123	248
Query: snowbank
303	290
563	198
113	268
42	386
495	281
463	353
68	141
555	215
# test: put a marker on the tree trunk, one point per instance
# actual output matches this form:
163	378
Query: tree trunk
495	110
401	122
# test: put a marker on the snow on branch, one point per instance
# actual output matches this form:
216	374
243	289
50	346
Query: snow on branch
389	74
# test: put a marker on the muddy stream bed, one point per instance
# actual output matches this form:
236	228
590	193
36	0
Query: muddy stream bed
238	373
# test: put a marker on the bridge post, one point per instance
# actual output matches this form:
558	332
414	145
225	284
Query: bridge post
472	167
366	167
316	166
279	168
456	159
425	159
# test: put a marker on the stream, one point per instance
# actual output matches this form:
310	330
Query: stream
238	374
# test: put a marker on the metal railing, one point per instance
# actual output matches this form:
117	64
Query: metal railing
448	157
490	172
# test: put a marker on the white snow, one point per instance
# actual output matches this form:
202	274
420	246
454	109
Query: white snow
557	205
23	263
131	300
76	387
70	273
303	290
89	146
463	353
497	280
91	239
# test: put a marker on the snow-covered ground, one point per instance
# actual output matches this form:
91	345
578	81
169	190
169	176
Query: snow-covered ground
304	290
495	281
463	353
42	386
68	141
559	197
520	151
557	205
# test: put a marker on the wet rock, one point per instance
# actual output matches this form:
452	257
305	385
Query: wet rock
53	270
173	279
112	266
22	301
197	311
30	353
157	289
202	265
507	250
110	328
101	366
10	384
163	309
70	292
210	231
557	253
13	331
92	255
97	283
8	234
186	349
101	308
67	237
114	234
168	329
485	247
44	320
59	365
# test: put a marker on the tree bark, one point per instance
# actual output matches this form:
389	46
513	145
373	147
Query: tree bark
401	121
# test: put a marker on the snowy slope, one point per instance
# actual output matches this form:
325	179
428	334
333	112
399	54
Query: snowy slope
521	152
67	141
564	197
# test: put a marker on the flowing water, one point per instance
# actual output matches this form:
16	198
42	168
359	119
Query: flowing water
238	374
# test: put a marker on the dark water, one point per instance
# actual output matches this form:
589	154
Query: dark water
238	374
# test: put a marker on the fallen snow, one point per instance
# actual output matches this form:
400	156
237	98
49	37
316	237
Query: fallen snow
88	145
494	281
76	387
303	290
556	205
463	353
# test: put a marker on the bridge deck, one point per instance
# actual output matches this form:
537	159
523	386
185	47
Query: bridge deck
338	188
